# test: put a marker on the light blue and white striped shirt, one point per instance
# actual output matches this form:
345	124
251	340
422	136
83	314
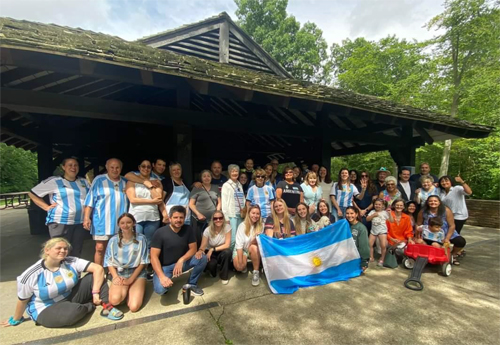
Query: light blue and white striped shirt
43	287
344	196
262	196
69	197
130	255
109	201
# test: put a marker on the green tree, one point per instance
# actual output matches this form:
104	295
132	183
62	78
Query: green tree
301	50
18	169
470	42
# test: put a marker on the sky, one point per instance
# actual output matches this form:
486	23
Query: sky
133	19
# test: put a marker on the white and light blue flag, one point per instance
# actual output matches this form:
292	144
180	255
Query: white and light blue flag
316	258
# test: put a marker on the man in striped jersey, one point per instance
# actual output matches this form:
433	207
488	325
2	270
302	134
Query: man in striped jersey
105	202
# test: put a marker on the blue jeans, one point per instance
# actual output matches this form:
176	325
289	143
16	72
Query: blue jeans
199	267
147	228
234	222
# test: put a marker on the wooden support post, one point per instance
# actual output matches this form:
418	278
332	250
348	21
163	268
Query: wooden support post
324	140
44	156
183	143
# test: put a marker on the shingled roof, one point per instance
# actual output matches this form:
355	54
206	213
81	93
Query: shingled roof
85	44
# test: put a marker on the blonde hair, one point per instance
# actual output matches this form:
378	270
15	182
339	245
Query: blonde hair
286	218
257	227
260	172
51	244
211	224
311	174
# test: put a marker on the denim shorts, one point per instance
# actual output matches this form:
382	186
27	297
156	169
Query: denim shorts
127	272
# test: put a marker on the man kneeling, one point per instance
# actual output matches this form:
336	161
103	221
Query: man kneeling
172	252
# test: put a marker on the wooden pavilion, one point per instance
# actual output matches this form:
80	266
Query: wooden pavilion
201	92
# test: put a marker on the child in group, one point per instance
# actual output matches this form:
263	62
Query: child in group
379	217
432	234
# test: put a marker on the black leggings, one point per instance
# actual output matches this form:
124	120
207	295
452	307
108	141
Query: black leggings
72	309
223	259
459	224
198	229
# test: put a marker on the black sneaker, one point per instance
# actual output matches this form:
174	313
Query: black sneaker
149	277
195	290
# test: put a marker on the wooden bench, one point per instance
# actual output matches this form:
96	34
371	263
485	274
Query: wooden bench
21	199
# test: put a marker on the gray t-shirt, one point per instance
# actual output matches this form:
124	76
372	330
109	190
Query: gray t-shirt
206	201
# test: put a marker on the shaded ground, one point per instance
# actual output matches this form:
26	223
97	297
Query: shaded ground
375	308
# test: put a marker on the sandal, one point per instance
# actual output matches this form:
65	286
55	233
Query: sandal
455	260
110	312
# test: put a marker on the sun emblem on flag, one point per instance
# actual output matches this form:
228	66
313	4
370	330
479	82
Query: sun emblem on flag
317	261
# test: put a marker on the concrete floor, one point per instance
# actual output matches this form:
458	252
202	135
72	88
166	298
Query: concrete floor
372	309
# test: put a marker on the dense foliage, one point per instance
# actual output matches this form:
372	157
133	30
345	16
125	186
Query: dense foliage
456	73
18	169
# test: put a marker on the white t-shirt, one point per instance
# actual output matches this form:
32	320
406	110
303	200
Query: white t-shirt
242	240
219	239
455	200
378	223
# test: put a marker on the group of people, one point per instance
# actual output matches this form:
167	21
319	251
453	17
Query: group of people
148	227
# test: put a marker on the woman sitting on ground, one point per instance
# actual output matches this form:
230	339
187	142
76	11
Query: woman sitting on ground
323	216
52	292
279	225
215	245
126	258
433	207
302	222
246	244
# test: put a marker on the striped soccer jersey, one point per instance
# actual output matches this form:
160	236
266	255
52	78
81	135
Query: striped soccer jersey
261	196
69	197
130	255
344	196
44	288
108	200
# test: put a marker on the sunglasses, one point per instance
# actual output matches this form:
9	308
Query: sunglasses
146	166
218	218
364	175
259	176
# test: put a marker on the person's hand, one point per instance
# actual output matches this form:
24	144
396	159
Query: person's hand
87	223
446	241
417	191
156	183
148	184
362	213
363	183
50	207
312	209
117	281
459	180
166	282
197	185
339	213
209	254
201	217
127	282
157	200
178	268
198	254
96	299
410	241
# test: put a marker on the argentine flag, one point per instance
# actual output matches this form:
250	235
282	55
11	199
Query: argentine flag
317	258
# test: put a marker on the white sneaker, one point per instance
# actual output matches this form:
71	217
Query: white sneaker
256	278
225	282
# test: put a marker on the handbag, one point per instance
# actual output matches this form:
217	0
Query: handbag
243	210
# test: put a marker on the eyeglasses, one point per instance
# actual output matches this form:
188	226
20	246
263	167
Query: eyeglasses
146	166
288	172
216	219
364	175
259	176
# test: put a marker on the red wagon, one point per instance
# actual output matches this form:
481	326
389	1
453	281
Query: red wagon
416	256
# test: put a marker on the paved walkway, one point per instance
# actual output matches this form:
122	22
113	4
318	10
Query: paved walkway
373	309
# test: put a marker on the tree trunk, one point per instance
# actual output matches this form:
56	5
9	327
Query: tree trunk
445	160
